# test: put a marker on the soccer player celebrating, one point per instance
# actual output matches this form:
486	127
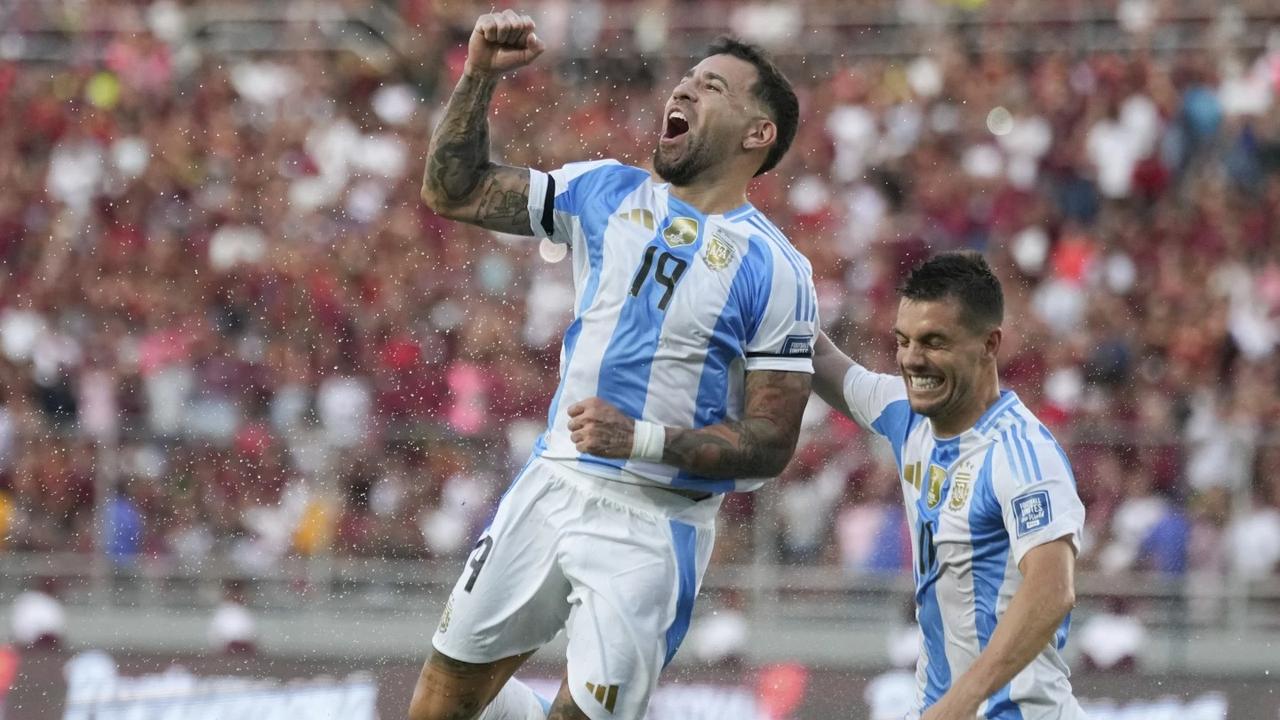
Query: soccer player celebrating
683	374
995	518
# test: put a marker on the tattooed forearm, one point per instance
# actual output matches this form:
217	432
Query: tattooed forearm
459	151
760	445
743	449
460	181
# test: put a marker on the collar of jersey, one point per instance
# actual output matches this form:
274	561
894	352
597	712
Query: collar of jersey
684	207
1007	398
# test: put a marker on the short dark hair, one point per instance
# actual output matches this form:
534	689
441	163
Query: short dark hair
771	88
965	276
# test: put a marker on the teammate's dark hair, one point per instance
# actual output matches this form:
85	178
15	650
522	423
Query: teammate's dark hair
771	88
965	276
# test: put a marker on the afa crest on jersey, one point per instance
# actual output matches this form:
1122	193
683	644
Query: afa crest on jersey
719	253
960	491
682	231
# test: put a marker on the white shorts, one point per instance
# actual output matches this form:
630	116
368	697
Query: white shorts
617	566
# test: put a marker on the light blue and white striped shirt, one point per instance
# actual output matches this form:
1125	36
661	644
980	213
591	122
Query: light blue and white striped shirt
976	503
672	308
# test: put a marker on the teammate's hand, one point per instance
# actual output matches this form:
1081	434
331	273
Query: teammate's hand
601	429
502	42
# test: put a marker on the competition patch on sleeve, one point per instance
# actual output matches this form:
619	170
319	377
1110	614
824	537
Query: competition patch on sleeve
1032	512
798	346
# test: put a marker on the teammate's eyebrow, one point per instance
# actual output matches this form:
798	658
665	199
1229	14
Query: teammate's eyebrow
927	338
934	337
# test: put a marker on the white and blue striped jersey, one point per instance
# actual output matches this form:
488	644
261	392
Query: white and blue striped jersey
976	503
672	308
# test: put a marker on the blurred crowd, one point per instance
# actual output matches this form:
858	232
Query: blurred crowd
229	327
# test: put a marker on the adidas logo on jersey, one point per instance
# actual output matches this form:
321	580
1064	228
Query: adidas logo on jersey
912	474
639	216
606	695
446	616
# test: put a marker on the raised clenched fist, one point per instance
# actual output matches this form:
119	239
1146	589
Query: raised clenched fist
501	42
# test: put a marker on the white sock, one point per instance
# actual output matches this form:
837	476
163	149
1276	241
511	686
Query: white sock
516	701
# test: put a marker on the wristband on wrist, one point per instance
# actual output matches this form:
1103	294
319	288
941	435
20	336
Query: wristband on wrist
649	441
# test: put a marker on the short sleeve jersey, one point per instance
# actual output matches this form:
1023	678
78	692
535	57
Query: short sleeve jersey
672	308
976	504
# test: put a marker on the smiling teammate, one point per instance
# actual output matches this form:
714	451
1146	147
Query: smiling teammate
995	519
684	372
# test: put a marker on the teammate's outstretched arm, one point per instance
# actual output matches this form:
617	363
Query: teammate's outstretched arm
758	445
460	182
854	391
830	366
1036	611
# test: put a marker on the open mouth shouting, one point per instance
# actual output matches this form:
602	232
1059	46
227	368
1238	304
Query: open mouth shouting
675	127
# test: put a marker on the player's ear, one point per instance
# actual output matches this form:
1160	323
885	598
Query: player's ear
992	346
761	133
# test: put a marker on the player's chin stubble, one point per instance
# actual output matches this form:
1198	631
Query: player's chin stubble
685	170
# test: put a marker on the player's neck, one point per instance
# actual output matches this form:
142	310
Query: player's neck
964	420
711	198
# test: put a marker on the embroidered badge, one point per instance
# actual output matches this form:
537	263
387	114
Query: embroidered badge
719	253
959	491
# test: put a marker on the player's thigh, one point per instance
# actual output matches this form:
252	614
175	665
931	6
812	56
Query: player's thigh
450	689
634	585
511	596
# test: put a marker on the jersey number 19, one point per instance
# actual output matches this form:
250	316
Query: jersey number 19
667	272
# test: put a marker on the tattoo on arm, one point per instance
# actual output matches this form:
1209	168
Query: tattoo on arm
504	201
460	145
759	445
460	181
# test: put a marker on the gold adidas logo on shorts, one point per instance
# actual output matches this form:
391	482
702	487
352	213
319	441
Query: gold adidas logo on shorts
606	695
